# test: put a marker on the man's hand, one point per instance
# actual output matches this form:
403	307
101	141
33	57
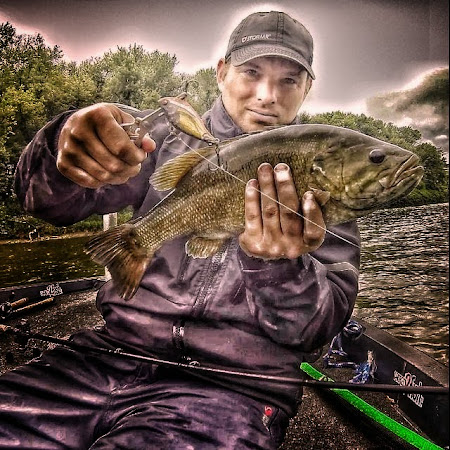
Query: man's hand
94	150
273	231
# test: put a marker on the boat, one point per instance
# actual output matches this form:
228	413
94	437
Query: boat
360	358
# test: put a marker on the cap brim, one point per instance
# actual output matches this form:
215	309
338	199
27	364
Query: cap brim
245	54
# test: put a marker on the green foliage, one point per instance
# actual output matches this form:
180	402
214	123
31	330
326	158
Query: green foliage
133	76
405	137
436	175
36	83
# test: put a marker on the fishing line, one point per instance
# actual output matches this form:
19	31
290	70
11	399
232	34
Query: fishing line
265	195
217	166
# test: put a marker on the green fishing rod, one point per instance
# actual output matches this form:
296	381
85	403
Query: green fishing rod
386	422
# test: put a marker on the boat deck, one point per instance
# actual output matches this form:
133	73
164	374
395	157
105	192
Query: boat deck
322	422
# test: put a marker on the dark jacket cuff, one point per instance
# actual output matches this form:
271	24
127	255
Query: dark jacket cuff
272	271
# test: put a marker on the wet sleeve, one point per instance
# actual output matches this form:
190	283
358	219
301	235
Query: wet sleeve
305	302
47	194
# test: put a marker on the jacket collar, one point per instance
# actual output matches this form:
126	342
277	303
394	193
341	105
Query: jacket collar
219	123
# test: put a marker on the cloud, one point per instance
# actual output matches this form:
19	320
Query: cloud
423	107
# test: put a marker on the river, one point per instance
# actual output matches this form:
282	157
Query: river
403	282
404	275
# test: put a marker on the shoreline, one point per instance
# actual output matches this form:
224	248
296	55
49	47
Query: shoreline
47	238
76	234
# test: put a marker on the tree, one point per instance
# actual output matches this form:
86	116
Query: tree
35	85
133	76
436	176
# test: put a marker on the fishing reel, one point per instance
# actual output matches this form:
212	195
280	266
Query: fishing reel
21	336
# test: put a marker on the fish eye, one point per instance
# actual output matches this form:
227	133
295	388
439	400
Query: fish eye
377	156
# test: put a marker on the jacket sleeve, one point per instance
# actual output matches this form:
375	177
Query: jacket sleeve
47	194
306	302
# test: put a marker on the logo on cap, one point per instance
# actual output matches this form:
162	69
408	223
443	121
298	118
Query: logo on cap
254	37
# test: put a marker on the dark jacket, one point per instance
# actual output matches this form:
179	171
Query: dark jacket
229	311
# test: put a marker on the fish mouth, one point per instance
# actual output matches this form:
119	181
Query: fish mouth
409	173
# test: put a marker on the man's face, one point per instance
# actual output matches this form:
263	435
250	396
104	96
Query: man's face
262	92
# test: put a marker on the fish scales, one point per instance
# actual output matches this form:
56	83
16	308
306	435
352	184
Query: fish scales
355	173
193	208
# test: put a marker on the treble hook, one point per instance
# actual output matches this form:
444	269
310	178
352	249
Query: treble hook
219	164
190	82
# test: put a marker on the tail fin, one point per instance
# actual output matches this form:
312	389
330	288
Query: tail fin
119	250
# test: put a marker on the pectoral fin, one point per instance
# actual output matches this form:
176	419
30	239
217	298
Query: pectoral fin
201	247
321	197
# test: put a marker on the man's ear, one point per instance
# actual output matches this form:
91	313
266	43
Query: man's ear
221	72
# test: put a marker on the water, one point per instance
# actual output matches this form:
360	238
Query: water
46	260
403	283
404	275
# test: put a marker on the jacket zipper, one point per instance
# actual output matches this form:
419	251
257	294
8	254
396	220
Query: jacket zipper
178	343
178	327
216	264
178	336
184	268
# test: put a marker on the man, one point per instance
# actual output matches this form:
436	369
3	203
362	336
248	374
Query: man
260	305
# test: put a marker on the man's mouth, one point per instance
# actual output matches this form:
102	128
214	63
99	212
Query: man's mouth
263	116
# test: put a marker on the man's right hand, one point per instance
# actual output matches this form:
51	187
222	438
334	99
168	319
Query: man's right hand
94	150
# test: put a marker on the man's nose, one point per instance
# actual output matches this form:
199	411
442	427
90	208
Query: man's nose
266	92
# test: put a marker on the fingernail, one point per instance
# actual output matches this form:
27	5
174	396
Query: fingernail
281	167
266	167
282	175
308	195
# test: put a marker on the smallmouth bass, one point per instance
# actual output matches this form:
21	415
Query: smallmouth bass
357	173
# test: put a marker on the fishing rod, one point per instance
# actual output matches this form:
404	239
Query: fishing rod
195	367
350	399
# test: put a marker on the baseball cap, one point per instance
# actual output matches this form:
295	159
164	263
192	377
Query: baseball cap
271	34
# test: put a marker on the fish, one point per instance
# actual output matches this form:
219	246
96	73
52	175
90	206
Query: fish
357	173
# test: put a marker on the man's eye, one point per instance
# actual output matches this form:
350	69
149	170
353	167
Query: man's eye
251	72
289	81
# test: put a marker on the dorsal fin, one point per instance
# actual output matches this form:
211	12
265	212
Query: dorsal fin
252	133
170	173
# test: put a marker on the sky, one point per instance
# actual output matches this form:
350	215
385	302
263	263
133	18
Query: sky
362	48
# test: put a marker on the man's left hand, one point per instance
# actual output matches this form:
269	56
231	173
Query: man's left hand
273	230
